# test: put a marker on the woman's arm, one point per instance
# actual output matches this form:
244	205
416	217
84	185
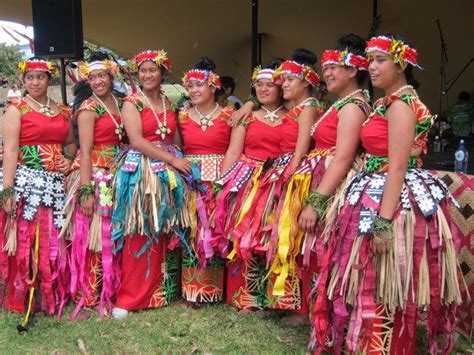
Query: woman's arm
11	145
305	121
349	126
70	151
348	131
133	127
235	149
86	123
401	134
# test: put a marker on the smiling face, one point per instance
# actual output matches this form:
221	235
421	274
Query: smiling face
149	75
200	92
383	70
338	77
293	87
100	82
267	92
36	83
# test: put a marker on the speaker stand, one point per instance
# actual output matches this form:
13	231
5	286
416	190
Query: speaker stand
63	81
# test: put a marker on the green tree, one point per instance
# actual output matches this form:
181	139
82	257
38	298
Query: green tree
9	58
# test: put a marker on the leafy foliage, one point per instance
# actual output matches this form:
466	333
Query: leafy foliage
9	57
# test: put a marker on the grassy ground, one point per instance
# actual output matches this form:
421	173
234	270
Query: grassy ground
175	329
211	329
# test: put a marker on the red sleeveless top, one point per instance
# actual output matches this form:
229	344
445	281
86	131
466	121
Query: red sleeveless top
214	140
374	134
104	128
290	125
262	141
37	128
149	124
325	129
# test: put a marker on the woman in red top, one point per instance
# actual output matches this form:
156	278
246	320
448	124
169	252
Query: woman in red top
325	169
206	134
253	230
255	142
151	193
95	273
38	145
393	250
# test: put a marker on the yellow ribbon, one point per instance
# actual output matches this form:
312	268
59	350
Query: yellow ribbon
32	288
298	186
172	178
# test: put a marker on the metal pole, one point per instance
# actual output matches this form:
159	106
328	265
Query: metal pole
63	81
254	33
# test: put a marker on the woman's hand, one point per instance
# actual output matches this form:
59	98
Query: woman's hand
9	205
64	165
242	112
182	165
381	242
88	206
308	220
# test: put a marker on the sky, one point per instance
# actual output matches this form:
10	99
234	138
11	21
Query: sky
5	38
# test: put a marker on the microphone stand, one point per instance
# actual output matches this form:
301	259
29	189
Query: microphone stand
442	72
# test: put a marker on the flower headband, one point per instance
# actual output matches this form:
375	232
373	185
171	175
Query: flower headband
344	58
158	57
400	52
204	76
300	71
24	66
86	68
259	73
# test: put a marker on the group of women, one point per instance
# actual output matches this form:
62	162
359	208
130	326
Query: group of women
282	205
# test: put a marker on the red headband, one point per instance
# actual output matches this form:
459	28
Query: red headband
344	58
301	71
158	57
400	52
205	76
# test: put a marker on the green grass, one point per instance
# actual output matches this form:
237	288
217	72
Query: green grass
211	329
174	329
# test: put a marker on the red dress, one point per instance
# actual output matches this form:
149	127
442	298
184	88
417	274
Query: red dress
149	262
202	269
365	314
244	284
40	196
95	271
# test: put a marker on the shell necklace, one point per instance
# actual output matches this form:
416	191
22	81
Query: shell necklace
335	104
205	121
163	129
43	108
119	129
271	115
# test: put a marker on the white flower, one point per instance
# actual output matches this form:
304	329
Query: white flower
418	189
21	180
38	181
28	214
365	224
58	186
59	221
354	198
59	204
376	183
35	200
426	204
436	192
47	200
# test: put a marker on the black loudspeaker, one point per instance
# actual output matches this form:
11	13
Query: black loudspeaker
57	26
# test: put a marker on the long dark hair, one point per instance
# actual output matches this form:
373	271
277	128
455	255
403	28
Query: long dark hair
356	45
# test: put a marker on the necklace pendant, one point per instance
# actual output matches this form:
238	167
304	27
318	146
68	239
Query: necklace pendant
271	116
162	130
119	131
